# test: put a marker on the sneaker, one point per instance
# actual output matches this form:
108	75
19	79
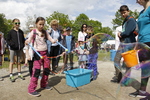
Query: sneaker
24	66
1	79
35	93
114	81
146	98
134	94
142	95
48	88
21	77
12	79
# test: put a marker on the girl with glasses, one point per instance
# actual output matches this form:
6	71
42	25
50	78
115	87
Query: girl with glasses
15	40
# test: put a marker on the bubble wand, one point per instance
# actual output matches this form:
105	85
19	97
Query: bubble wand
35	51
62	46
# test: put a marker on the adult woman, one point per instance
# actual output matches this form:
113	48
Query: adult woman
82	33
15	39
144	37
54	48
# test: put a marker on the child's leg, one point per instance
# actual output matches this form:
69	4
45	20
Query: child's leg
30	66
46	70
95	72
35	75
80	63
65	60
71	60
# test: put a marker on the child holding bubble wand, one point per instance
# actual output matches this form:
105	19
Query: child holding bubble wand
82	53
41	47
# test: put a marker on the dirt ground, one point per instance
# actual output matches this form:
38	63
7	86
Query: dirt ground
100	89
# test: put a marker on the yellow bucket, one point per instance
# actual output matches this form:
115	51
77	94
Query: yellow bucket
130	58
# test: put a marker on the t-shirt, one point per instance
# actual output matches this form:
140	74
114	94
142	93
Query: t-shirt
144	26
68	42
39	42
81	36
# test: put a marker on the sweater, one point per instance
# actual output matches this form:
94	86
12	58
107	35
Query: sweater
15	39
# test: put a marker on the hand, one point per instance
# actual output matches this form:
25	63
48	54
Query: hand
55	40
26	42
119	34
87	52
28	58
84	50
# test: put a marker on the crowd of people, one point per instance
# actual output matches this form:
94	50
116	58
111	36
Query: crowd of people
41	47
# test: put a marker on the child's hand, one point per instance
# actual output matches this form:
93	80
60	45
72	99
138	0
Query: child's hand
26	42
84	50
87	52
28	57
55	40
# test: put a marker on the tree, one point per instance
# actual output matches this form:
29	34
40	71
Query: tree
62	18
97	26
81	19
30	21
5	25
119	20
108	30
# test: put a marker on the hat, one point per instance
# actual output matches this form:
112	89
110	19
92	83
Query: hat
68	29
31	26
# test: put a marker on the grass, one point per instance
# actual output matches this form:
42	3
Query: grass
102	55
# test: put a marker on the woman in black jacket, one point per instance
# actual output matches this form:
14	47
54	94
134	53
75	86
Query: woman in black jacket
15	40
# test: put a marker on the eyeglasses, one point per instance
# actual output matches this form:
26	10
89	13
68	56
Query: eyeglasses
17	23
84	27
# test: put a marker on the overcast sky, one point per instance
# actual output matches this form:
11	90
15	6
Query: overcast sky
101	10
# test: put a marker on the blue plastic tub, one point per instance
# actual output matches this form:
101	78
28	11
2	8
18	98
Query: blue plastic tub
78	77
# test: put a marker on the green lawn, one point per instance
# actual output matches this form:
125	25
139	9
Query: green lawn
101	56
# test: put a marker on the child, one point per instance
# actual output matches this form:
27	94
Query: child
39	35
25	49
2	43
126	36
92	59
89	35
15	40
69	43
93	53
82	53
29	53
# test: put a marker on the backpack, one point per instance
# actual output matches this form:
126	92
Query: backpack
136	29
34	35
